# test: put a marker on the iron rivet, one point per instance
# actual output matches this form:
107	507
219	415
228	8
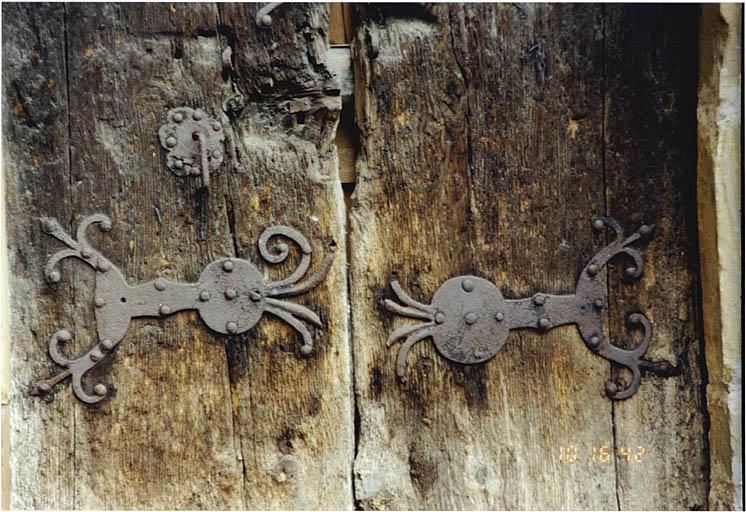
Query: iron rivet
204	296
499	317
479	353
598	224
543	322
107	344
306	349
48	225
467	285
216	126
179	164
470	318
99	302
165	310
178	117
255	296
160	284
594	341
539	300
64	335
197	115
598	304
104	266
231	327
99	389
171	141
228	266
54	276
631	271
44	387
95	356
439	317
86	252
592	269
266	20
611	389
282	247
230	294
645	230
216	153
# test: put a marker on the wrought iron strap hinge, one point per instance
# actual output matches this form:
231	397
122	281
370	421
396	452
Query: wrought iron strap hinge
231	296
469	319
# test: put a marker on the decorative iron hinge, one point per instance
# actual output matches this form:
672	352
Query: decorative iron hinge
469	320
231	296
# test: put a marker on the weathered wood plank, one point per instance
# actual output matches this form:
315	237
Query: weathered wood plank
294	415
650	132
37	173
167	435
482	153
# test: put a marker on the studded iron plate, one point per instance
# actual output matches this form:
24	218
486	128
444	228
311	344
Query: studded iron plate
231	296
469	320
194	143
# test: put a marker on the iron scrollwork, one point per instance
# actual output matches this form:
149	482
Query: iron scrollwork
469	319
231	296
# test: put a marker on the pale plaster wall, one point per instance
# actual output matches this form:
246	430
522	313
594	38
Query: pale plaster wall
719	184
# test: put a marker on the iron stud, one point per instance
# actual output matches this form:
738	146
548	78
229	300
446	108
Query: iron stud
228	266
230	294
592	269
470	318
179	164
95	356
99	302
645	230
231	327
467	285
611	389
594	341
204	295
99	389
500	317
54	276
86	252
631	271
64	335
107	344
165	310
598	224
197	115
439	317
598	304
255	296
104	266
160	284
539	300
44	387
216	126
544	322
178	117
171	141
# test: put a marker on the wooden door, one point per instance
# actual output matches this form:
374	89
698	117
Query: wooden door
489	138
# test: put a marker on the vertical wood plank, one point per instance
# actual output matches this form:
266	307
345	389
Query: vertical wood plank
37	173
294	414
166	435
651	79
481	154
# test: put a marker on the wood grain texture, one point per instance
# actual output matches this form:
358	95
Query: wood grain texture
36	168
483	152
196	420
650	129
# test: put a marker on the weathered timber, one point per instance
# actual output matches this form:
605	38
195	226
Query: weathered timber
195	420
483	152
650	139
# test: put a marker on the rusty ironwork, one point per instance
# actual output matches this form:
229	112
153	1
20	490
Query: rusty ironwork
194	143
231	296
469	319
